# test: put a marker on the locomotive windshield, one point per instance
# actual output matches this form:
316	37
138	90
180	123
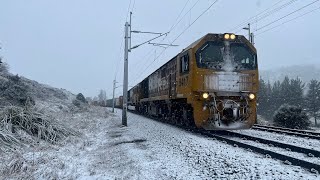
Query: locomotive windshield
215	55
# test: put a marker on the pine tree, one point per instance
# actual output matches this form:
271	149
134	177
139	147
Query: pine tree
276	97
295	95
269	100
291	117
285	91
312	101
265	99
262	97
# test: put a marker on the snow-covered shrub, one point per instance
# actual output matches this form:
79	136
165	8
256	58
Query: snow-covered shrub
81	98
291	117
80	102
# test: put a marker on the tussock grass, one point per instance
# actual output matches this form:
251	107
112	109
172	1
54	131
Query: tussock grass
7	140
33	122
16	165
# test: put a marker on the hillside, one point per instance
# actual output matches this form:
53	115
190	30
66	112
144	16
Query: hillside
304	72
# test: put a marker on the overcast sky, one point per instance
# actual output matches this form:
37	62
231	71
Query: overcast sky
77	44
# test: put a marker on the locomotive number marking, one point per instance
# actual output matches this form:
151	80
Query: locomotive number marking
183	81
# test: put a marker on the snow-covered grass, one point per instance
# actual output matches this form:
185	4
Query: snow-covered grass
46	160
28	119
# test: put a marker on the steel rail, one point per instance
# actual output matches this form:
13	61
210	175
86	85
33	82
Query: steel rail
309	152
289	129
286	132
312	167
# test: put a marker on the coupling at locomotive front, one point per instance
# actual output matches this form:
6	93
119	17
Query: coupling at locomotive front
222	70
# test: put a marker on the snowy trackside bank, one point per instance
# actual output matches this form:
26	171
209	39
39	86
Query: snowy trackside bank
172	153
146	149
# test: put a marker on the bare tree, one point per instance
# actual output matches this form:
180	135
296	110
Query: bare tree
102	97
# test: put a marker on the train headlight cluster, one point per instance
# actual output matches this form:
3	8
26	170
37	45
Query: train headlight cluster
252	96
229	36
205	95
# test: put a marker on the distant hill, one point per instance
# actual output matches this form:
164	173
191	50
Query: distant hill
16	90
304	72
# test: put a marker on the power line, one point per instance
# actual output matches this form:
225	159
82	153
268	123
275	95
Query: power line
289	21
171	28
179	36
252	17
286	15
134	2
128	11
271	12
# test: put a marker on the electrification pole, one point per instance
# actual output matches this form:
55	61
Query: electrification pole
128	49
252	38
125	77
250	35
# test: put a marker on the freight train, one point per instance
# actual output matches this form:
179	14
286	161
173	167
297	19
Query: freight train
211	84
117	102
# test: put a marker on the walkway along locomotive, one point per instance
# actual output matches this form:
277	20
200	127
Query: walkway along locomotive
211	84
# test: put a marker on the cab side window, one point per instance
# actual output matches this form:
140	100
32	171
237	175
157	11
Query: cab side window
184	64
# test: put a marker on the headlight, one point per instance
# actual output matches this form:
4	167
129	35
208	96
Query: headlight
251	96
232	36
205	95
226	36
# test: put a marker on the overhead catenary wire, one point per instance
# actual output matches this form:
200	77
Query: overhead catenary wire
267	14
252	17
171	28
179	35
299	9
313	10
128	11
176	22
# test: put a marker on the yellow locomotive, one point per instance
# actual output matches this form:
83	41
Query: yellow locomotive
211	84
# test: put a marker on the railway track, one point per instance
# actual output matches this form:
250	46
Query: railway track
295	132
226	136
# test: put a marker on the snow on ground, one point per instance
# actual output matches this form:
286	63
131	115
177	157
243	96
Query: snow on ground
316	129
198	157
289	139
146	149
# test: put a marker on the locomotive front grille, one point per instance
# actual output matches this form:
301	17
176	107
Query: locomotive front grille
228	82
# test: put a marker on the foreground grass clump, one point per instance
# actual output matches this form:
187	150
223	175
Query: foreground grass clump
31	121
